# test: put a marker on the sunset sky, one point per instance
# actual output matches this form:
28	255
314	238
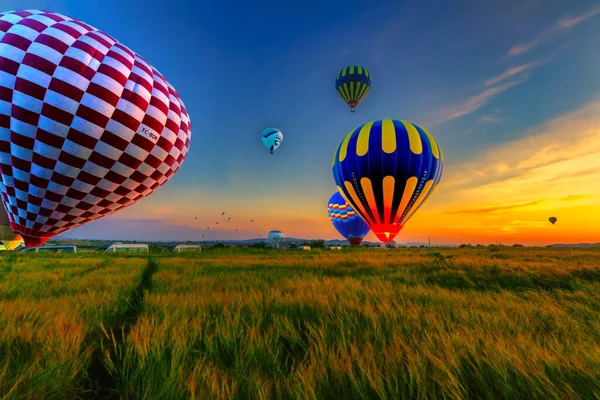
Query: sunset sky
509	88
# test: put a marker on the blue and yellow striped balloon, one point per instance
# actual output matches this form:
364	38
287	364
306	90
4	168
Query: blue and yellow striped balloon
352	84
347	222
386	170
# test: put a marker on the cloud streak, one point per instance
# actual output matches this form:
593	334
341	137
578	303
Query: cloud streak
493	209
559	28
475	102
509	73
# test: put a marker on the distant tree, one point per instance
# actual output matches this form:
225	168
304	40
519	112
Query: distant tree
258	245
154	248
517	245
293	246
317	244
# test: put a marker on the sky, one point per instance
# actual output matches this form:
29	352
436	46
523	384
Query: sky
510	89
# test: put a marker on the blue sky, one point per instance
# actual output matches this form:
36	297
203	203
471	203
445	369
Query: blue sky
477	74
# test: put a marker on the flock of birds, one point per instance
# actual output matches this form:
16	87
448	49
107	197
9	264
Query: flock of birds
217	223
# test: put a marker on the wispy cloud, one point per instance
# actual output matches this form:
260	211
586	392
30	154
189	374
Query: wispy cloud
490	119
492	209
509	73
576	197
559	28
565	148
495	85
475	102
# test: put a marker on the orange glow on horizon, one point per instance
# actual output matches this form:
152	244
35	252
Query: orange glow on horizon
502	195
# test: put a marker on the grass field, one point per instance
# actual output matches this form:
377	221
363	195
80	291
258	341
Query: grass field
495	322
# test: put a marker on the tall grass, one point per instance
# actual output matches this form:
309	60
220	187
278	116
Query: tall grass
369	324
243	323
49	310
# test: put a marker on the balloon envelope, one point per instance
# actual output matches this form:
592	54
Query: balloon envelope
87	126
386	170
272	138
353	84
552	220
275	237
347	222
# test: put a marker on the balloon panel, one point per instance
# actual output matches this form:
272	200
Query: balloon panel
347	222
386	170
87	126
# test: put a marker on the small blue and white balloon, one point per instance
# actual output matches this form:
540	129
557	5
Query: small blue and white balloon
272	138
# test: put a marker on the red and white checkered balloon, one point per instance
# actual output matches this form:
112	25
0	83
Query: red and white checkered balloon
87	126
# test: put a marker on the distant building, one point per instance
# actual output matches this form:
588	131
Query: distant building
127	248
50	249
304	247
184	248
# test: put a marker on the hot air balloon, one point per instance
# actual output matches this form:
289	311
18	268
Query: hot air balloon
87	128
386	170
272	138
8	239
552	220
275	237
353	84
347	222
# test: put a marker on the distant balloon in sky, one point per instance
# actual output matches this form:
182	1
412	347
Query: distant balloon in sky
87	126
386	170
347	222
353	84
553	220
272	138
275	237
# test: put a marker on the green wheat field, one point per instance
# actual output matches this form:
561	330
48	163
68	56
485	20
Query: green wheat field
475	323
